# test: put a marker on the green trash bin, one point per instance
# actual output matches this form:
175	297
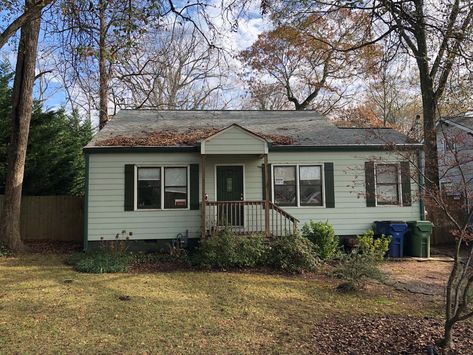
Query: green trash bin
418	238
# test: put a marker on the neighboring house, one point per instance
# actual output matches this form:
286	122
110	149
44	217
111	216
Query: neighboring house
455	155
256	171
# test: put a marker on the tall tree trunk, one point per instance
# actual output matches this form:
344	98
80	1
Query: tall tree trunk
430	140
21	116
429	100
103	72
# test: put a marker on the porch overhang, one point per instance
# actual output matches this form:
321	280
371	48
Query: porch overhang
234	139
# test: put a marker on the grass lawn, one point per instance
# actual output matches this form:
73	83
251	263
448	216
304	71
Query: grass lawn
179	312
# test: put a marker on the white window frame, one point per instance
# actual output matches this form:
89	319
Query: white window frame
298	204
162	168
445	143
399	183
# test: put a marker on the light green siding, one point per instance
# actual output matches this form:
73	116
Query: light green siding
106	215
234	140
350	215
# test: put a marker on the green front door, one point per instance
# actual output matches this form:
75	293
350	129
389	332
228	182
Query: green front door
230	188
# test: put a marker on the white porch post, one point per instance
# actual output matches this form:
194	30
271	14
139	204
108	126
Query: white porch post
266	202
203	204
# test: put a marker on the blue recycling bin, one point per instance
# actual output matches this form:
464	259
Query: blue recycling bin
397	231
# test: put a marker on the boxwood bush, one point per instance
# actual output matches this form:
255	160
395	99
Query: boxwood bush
322	235
99	262
5	251
227	250
293	254
373	247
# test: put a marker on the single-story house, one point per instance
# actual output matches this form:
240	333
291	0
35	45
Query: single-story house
158	175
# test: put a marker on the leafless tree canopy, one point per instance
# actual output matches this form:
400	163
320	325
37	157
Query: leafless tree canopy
174	69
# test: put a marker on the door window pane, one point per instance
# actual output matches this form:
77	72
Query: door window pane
149	188
285	185
175	188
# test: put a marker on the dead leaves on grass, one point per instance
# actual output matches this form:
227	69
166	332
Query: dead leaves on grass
386	335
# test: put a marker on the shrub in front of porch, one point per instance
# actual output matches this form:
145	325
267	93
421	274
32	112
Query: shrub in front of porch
99	262
322	235
227	250
292	253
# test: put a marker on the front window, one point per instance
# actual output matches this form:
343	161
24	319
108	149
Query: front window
285	185
175	187
387	184
149	188
310	185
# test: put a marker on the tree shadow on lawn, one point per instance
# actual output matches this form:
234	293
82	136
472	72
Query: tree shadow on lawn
266	311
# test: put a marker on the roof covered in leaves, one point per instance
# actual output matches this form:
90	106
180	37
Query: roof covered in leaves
188	128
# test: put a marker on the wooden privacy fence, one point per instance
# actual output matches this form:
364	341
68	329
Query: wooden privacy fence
52	218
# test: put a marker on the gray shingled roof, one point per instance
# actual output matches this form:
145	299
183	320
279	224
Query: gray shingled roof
465	120
306	128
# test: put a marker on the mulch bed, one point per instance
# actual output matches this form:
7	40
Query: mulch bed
387	335
49	247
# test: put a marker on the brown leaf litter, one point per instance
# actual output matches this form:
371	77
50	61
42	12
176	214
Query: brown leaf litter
373	334
174	138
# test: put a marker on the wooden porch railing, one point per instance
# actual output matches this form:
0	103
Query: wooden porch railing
248	217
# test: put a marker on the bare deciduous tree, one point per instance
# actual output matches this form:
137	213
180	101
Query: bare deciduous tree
97	34
452	203
436	34
174	69
22	105
29	13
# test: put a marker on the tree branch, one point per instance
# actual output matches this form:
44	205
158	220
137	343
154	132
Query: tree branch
28	15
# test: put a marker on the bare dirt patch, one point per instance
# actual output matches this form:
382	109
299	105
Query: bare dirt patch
51	247
422	277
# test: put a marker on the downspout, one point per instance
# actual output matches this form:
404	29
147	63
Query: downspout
86	202
421	164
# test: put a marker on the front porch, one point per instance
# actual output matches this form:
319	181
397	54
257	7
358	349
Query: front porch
248	217
235	186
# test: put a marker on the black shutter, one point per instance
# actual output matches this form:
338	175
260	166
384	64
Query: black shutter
370	184
194	187
270	182
329	185
129	187
406	183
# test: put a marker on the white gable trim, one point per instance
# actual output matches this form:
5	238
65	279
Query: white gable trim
448	122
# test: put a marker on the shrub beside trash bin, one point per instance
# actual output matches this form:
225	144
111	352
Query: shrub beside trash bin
397	231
